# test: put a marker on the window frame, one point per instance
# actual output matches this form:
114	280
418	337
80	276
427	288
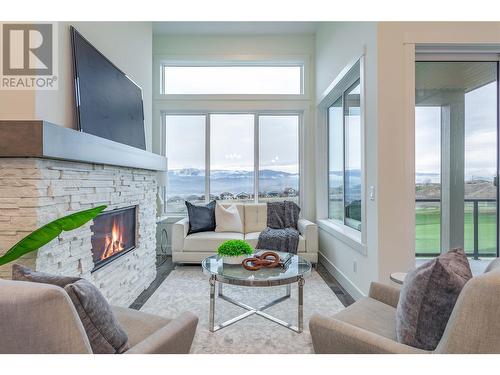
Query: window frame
230	65
256	164
161	61
351	73
342	97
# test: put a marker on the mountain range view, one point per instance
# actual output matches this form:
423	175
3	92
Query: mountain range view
191	181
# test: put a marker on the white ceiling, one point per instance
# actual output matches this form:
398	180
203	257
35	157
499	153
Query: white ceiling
221	28
457	75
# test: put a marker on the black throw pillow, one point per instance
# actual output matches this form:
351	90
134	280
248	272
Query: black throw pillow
201	218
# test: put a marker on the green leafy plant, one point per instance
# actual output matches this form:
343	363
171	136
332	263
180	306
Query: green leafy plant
48	232
234	248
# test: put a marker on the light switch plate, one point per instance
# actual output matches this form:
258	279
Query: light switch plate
371	193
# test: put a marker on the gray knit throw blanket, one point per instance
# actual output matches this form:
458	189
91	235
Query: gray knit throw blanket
281	233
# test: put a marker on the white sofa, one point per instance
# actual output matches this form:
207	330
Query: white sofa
195	247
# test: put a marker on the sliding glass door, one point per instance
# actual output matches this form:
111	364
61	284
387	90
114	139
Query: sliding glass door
456	133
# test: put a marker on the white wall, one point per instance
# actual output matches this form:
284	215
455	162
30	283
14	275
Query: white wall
127	44
214	45
18	104
245	47
337	44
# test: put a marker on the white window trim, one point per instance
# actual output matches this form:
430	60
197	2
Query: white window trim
348	235
282	104
159	61
256	115
354	238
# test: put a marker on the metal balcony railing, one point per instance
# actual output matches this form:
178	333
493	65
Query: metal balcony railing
475	219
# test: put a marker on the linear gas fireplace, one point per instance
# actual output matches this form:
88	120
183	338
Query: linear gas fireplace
113	234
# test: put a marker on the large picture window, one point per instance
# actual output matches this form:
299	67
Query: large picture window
344	157
244	157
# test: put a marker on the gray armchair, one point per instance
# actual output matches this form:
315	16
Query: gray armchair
369	325
40	318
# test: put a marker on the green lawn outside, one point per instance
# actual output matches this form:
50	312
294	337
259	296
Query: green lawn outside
428	218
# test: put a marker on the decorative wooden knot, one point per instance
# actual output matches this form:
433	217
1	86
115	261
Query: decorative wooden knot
264	260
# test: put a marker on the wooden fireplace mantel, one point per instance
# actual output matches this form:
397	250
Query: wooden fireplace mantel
42	139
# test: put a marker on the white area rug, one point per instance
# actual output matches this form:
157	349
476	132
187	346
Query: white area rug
187	289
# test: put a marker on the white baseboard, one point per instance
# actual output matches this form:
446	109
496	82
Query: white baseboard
347	284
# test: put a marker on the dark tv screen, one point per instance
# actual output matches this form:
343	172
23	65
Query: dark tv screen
109	104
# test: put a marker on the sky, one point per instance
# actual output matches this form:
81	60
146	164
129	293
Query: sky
352	123
185	141
232	79
232	142
480	134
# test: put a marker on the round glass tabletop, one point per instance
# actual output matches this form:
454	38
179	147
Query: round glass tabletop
296	268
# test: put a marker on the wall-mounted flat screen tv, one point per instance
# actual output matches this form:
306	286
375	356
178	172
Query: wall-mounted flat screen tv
108	103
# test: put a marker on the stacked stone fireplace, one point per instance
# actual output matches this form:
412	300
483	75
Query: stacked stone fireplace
34	191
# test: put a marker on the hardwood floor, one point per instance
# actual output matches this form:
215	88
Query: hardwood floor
334	285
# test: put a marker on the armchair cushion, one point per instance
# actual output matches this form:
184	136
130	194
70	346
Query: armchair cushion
493	266
102	329
174	338
384	293
138	325
428	297
371	315
333	336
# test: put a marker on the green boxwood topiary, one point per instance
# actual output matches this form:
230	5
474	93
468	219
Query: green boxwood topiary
234	248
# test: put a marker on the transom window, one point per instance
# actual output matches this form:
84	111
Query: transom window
239	79
244	157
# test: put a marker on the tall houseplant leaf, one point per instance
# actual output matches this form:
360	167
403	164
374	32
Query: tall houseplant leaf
48	232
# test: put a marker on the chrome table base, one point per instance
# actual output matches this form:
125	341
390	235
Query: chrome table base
259	310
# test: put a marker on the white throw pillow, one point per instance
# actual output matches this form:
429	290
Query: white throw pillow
228	219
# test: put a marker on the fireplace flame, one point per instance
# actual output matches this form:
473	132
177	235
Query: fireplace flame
114	242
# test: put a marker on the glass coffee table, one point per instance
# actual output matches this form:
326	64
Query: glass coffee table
221	273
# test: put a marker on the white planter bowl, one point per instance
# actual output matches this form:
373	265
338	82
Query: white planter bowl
234	260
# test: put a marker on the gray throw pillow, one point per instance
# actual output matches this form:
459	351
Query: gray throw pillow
103	330
427	299
21	273
101	326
